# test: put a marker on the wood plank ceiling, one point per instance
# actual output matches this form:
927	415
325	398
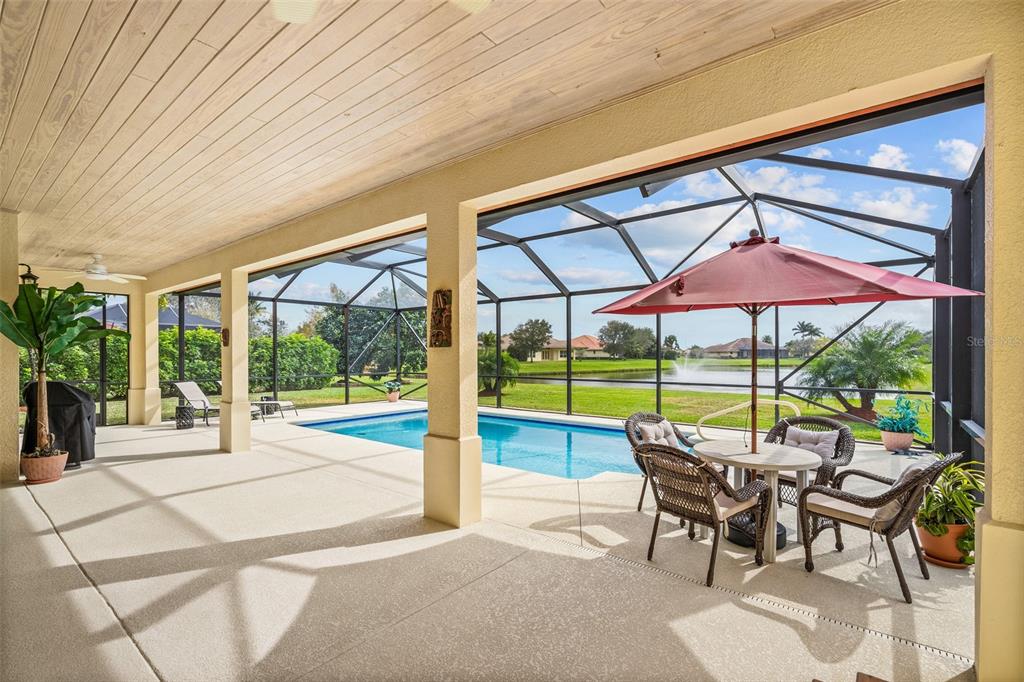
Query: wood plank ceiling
154	130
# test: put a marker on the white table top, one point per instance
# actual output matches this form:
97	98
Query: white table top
769	457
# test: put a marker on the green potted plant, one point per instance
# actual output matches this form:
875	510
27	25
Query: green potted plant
945	521
393	388
901	424
46	323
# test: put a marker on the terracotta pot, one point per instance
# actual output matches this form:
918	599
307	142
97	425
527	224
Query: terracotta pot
897	441
393	397
44	469
941	549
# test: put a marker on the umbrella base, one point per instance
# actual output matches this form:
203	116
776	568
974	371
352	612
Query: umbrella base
742	532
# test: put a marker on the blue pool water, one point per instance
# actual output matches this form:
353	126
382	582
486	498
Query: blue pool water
567	450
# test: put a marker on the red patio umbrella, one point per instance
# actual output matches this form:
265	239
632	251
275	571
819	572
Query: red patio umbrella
757	274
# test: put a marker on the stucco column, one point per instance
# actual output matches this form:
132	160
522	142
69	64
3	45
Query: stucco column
143	357
235	421
9	384
999	597
451	448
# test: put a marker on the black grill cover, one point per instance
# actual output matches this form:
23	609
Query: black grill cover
72	420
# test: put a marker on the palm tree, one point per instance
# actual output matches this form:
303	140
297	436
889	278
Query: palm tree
872	357
807	330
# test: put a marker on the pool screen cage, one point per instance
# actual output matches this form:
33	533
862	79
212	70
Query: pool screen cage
376	318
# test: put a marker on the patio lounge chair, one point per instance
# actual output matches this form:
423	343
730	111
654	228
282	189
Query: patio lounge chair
651	427
194	396
685	486
889	514
815	434
281	406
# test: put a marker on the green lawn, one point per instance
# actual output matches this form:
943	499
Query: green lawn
603	401
603	366
679	406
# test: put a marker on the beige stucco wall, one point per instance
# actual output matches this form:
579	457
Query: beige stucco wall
899	50
896	51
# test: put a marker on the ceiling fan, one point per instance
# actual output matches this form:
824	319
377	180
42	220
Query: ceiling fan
303	11
96	270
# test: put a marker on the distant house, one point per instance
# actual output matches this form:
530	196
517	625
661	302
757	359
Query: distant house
584	347
117	318
740	348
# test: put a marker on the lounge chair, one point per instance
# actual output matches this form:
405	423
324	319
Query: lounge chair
685	486
281	405
194	396
889	514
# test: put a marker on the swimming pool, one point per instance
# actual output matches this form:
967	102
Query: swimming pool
546	447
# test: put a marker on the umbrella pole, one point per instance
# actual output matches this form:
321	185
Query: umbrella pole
753	382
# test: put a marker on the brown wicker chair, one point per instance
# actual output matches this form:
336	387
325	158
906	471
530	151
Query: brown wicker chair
632	426
823	476
685	486
823	507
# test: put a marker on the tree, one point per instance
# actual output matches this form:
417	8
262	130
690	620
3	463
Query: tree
801	348
694	351
487	340
807	330
623	340
617	338
487	370
671	342
642	343
529	338
46	325
767	339
888	355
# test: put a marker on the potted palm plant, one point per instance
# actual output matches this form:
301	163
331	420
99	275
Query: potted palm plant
46	323
393	388
901	424
945	521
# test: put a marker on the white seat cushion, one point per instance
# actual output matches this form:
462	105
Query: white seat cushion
661	433
822	443
791	476
817	503
729	507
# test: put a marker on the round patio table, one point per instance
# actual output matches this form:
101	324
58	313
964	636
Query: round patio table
769	460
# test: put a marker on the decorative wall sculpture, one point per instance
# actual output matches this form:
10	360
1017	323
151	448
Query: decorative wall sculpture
441	319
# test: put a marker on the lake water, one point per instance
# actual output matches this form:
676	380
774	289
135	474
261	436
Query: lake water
686	370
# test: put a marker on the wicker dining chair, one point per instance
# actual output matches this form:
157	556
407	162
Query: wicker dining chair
833	506
687	487
842	455
636	439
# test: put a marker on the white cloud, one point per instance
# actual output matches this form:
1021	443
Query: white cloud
528	276
898	203
959	154
784	182
889	156
596	277
819	153
707	185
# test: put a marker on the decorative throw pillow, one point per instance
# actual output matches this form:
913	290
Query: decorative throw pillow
661	433
889	510
821	443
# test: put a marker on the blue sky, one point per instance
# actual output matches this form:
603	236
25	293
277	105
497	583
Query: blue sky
944	144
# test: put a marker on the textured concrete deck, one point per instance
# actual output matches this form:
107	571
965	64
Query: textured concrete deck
307	558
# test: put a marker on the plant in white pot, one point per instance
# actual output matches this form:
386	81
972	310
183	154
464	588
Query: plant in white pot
901	424
945	520
46	322
394	390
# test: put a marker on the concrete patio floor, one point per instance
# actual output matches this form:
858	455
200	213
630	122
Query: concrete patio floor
307	558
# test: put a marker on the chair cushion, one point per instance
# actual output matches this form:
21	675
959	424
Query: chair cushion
889	510
818	503
729	507
790	476
661	433
821	443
